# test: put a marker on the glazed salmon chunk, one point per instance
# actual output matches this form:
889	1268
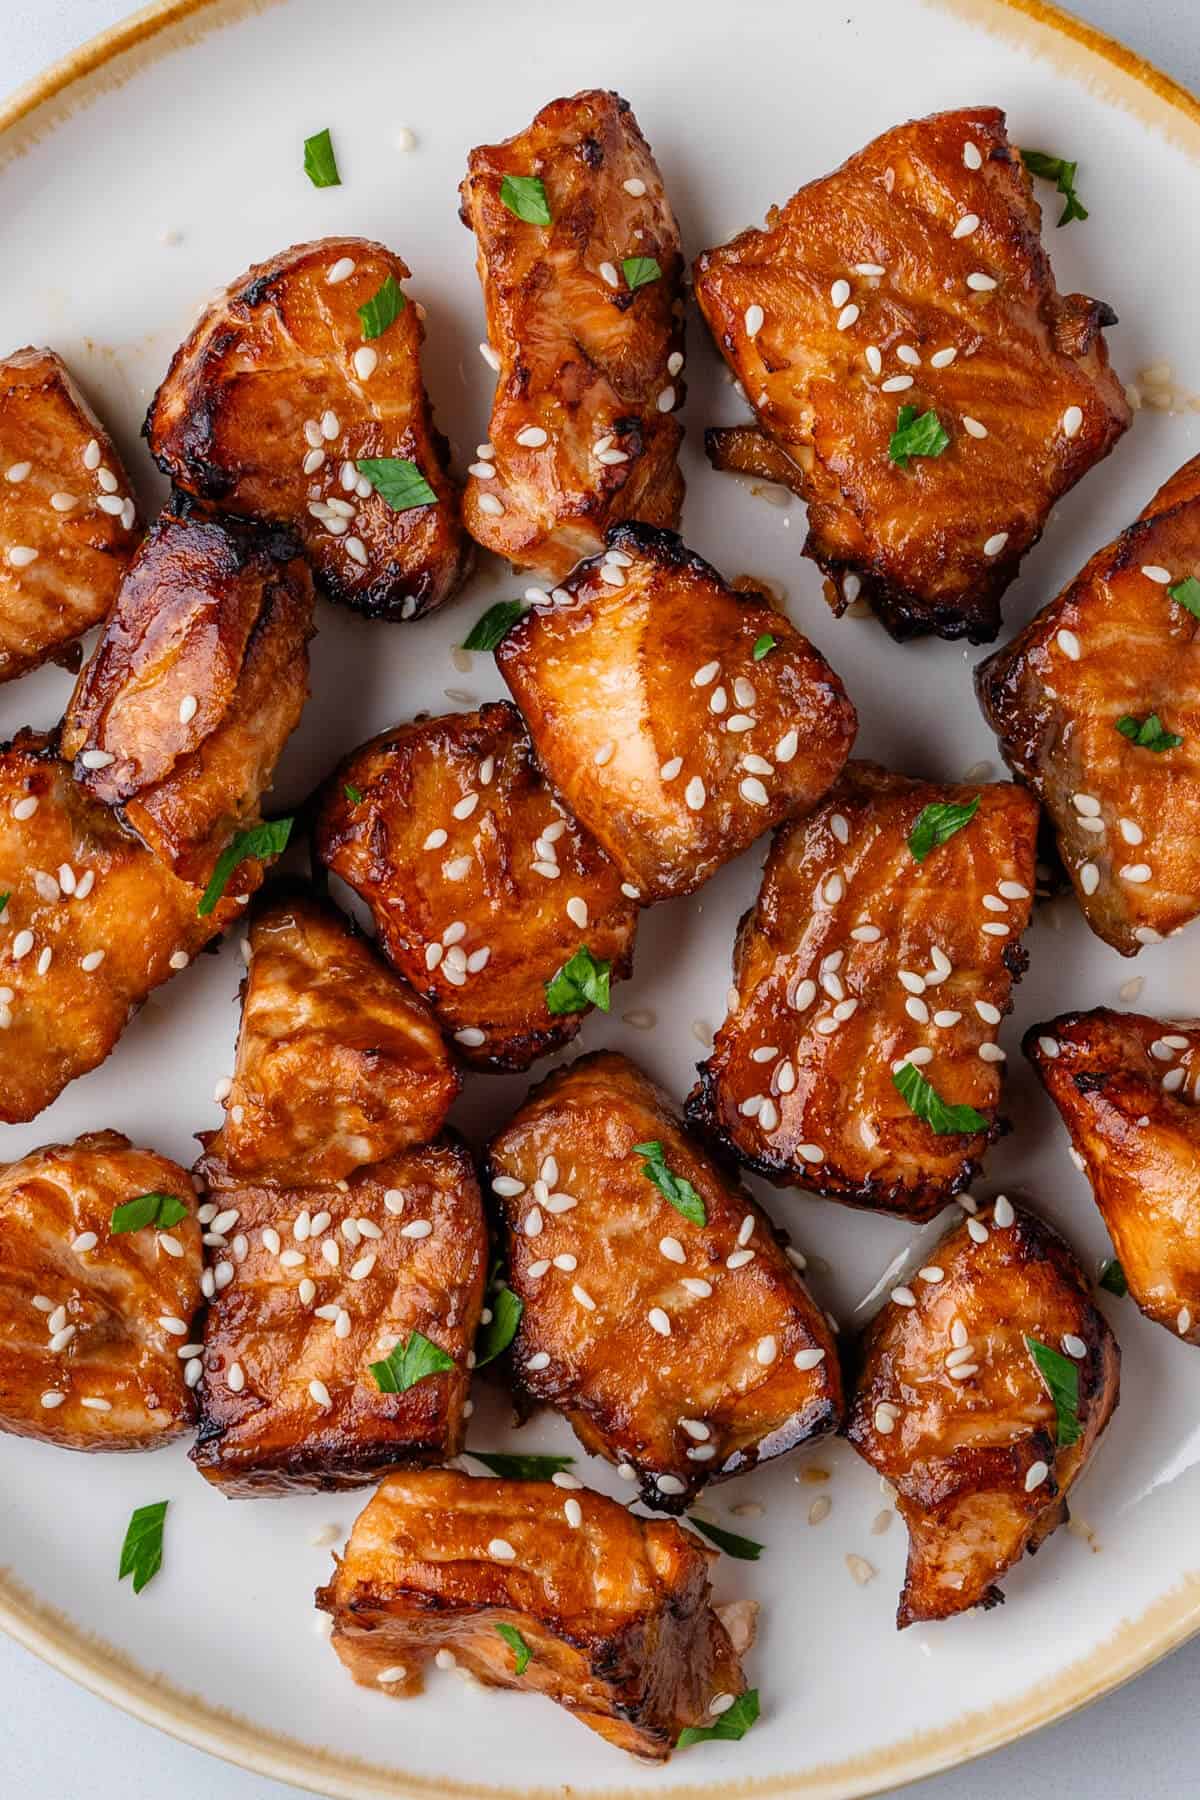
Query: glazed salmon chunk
859	1056
91	923
197	683
614	1611
914	372
735	1362
678	717
1097	707
99	1283
340	1323
579	258
482	887
1128	1089
954	1403
68	518
297	400
339	1063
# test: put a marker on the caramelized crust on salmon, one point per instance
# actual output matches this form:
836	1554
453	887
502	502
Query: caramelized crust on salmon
914	277
683	1351
615	1610
339	1063
481	885
195	687
1128	1088
1117	652
68	519
92	922
586	339
951	1407
312	1286
278	394
651	714
92	1320
856	960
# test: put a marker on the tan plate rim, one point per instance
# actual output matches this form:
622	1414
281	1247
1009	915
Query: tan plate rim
109	60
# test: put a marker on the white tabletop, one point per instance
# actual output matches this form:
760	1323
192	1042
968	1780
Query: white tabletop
59	1743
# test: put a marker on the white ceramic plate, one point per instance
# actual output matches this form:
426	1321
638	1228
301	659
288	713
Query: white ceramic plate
153	170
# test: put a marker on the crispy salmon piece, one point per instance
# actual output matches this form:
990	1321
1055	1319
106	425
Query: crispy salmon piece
195	687
92	1320
586	339
678	717
913	277
339	1063
91	923
615	1610
951	1408
856	960
277	394
68	518
308	1289
481	885
735	1362
1127	1087
1117	653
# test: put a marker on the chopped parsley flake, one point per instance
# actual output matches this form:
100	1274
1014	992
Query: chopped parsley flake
320	164
267	839
734	1722
745	1549
493	626
142	1551
1112	1278
521	1468
640	271
408	1363
915	435
1186	593
160	1210
937	823
1062	174
495	1337
352	794
1061	1376
580	983
522	1653
764	645
525	195
383	308
401	483
928	1104
1148	733
675	1188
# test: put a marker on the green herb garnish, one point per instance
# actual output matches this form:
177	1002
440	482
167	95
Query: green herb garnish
937	823
639	271
735	1722
493	626
1186	593
352	794
383	308
160	1210
4	900
401	483
1062	174
916	436
675	1188
268	839
928	1104
1112	1278
495	1337
580	983
764	645
142	1551
518	1646
521	1468
320	164
1148	733
1061	1377
408	1363
525	195
745	1549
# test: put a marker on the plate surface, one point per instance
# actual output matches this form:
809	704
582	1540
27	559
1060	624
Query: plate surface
153	171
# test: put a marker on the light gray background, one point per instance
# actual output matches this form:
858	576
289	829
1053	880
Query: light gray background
59	1743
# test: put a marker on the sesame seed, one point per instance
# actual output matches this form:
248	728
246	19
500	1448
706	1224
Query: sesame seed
896	384
1155	572
488	503
330	425
941	359
904	1296
811	1153
584	1298
366	361
995	544
666	400
995	929
906	354
25	809
1089	877
672	1249
435	840
95	1404
482	471
977	1231
51	1399
753	319
635	186
419	1228
674	363
658	1321
1137	873
320	1393
695	793
97	759
847	317
1183	1319
609	274
669	1484
342	268
465	807
874	359
1036	1475
573	1513
532	437
489	356
62	502
839	293
753	791
916	1009
539	1360
604	753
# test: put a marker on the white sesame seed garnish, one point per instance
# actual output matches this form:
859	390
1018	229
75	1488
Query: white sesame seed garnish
539	1360
1155	572
904	1296
1035	1476
896	384
941	359
658	1321
847	317
51	1399
738	1259
994	929
419	1228
22	944
604	753
669	1484
320	1393
873	358
488	503
25	809
753	319
340	270
1137	873
699	1289
583	1297
977	1231
916	1009
695	793
666	400
1089	877
61	1339
753	791
995	544
635	186
991	1053
87	963
63	502
1183	1320
839	293
905	353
